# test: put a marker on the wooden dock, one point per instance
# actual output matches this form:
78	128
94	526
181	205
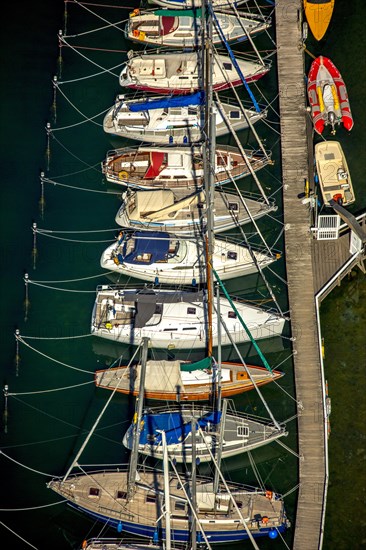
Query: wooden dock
301	284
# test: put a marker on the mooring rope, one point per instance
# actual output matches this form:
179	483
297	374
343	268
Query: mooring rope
10	394
24	466
16	534
87	119
21	339
103	71
55	183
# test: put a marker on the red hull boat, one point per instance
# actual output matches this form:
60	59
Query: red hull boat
328	96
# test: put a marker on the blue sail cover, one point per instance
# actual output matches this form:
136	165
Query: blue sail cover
152	243
165	102
173	425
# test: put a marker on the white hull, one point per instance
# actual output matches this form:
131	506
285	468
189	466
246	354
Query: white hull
156	28
163	210
174	125
185	263
178	325
177	72
332	169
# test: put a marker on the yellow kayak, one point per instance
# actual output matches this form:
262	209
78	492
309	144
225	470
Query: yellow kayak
318	14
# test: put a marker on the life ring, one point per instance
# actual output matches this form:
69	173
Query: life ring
269	495
123	175
135	12
136	33
265	520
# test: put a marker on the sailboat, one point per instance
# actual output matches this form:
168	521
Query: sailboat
177	72
118	544
185	381
175	319
240	432
179	4
158	504
177	168
182	214
173	120
182	28
167	259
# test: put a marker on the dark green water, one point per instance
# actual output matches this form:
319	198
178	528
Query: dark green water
45	430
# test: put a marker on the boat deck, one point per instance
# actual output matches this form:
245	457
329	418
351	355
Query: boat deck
301	283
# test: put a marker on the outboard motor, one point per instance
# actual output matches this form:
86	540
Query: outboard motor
331	120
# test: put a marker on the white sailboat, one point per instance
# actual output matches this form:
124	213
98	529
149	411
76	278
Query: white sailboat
182	29
174	319
165	258
178	72
182	214
173	120
241	432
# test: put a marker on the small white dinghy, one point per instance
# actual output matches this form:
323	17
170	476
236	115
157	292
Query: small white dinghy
164	258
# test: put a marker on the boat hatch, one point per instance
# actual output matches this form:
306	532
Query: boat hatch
208	502
242	431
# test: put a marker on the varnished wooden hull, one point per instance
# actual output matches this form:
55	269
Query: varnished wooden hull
204	393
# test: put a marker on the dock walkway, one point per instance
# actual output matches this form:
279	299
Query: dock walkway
301	284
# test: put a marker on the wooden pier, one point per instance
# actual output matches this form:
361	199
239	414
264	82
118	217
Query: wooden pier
301	284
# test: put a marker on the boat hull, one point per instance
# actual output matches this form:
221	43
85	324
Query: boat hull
318	17
179	535
328	96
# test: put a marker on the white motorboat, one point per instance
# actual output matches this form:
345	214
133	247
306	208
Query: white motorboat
333	174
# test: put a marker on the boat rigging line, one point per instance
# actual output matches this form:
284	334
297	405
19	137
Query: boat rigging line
16	534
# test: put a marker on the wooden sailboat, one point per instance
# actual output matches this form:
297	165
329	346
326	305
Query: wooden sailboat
185	381
178	168
182	214
318	15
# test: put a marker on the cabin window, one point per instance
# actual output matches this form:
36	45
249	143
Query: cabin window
242	431
94	492
158	309
234	114
228	66
231	315
122	495
179	506
191	310
234	206
151	499
170	329
189	328
232	255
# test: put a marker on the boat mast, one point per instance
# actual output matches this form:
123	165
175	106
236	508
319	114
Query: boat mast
193	485
208	157
137	422
168	543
